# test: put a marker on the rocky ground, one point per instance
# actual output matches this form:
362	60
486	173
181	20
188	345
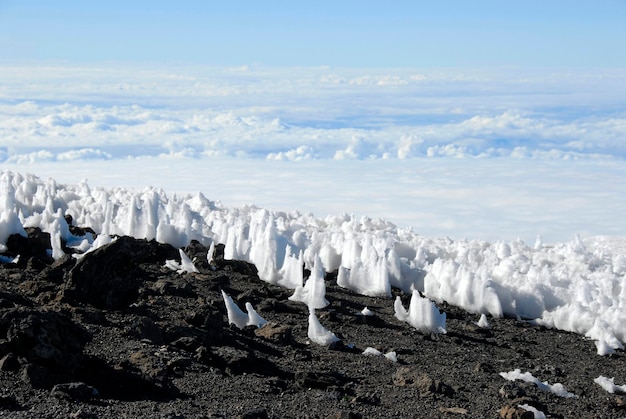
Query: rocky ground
117	334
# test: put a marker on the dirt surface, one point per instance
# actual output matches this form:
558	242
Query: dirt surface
117	334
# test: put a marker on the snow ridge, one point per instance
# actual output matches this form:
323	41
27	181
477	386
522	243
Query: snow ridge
575	286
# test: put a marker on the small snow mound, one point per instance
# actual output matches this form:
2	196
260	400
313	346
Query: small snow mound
392	356
313	293
483	323
367	312
101	240
603	348
608	384
235	315
210	254
537	413
254	319
369	351
5	259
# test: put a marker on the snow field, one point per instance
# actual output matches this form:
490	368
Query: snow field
575	286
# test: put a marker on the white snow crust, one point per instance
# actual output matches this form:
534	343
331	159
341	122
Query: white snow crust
366	312
483	323
369	351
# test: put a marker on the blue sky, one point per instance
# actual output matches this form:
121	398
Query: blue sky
335	33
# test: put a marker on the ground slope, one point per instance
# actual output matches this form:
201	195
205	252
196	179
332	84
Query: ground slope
118	334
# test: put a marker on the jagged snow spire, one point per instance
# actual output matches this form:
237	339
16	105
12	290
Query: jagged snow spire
211	253
238	317
313	293
318	333
254	319
185	265
422	314
235	315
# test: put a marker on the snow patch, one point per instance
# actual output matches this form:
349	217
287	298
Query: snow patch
557	388
313	293
609	385
366	312
537	413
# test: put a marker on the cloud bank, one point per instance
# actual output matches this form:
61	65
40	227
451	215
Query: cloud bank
311	114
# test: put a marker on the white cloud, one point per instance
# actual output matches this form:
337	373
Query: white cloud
478	136
30	158
84	154
297	154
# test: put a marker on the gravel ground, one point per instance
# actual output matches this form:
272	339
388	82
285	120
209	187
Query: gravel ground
120	335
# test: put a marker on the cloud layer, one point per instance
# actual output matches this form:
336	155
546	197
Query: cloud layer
310	114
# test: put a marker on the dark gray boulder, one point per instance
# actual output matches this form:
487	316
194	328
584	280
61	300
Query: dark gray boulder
43	337
110	277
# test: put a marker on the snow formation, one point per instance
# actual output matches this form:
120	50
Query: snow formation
318	333
185	266
422	314
240	318
370	351
366	312
576	286
557	388
538	414
609	385
483	323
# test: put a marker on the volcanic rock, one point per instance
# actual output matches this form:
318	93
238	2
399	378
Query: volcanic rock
44	337
74	391
110	276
